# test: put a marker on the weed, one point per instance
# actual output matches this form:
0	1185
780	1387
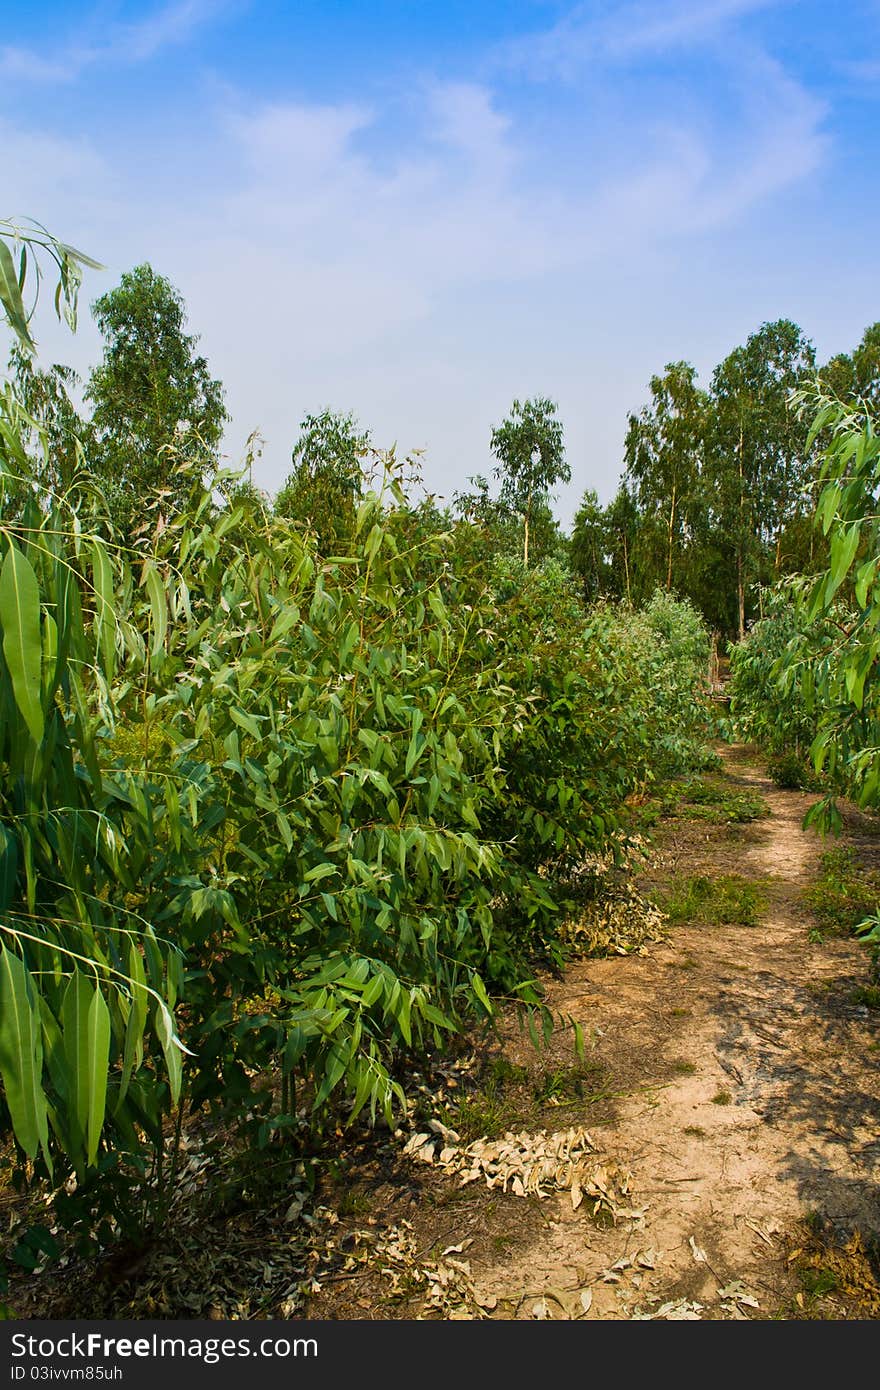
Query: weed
722	1097
701	799
685	1068
844	894
694	1131
480	1116
488	1111
729	900
565	1084
817	1282
679	1013
793	773
351	1202
868	995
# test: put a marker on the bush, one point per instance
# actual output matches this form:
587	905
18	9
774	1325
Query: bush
767	707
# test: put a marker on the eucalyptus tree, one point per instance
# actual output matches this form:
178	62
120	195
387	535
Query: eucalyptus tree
856	375
158	414
757	461
662	455
54	442
531	459
326	482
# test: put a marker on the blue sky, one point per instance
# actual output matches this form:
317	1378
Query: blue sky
419	211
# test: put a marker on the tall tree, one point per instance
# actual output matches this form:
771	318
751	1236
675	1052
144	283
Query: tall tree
53	443
590	546
662	455
757	462
531	458
856	376
326	482
158	414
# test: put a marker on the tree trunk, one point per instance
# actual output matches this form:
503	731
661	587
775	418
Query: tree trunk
670	532
528	513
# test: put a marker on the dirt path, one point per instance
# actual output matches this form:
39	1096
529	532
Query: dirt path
746	1098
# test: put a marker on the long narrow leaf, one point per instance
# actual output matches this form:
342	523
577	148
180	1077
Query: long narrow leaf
22	640
10	298
98	1061
21	1055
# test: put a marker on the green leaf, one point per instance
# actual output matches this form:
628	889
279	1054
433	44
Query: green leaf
171	1048
98	1051
105	614
158	606
21	1055
480	991
8	867
75	1023
843	548
133	1047
22	639
10	298
319	871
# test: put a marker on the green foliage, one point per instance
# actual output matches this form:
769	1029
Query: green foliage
757	453
24	241
770	687
490	529
327	480
531	458
651	667
698	799
309	807
87	984
158	415
845	598
844	894
662	453
728	900
856	376
792	772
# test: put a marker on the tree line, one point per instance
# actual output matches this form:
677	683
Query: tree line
715	500
719	484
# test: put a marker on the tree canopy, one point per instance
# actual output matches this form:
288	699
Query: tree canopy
529	448
158	414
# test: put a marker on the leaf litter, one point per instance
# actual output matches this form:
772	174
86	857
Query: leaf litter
531	1164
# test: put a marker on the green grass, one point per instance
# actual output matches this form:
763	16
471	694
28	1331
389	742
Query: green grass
728	900
714	801
844	894
568	1084
509	1096
868	995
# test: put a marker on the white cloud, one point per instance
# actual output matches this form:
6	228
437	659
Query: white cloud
318	273
121	44
590	37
